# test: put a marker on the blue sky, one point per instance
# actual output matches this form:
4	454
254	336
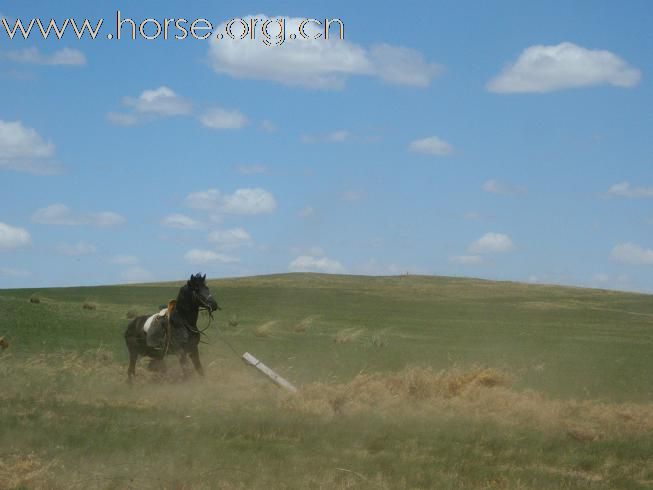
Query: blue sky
500	140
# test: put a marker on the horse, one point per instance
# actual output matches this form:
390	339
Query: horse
181	335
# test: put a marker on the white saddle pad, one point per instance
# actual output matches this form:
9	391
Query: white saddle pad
156	316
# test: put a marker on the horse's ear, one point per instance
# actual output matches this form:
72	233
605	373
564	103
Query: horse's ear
204	278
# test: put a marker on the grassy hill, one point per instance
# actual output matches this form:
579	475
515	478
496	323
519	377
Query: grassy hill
406	382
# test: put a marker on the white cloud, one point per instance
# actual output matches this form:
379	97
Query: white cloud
229	239
466	259
630	253
218	118
137	274
181	221
249	201
198	257
566	65
307	212
124	260
624	189
308	263
492	243
402	66
315	63
208	200
76	249
122	118
338	136
161	101
243	201
431	146
495	187
65	56
23	149
251	169
60	214
151	104
12	237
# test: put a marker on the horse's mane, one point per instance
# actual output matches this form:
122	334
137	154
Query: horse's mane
184	309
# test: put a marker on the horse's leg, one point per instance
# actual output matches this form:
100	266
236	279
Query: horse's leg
195	357
132	334
183	362
131	371
163	368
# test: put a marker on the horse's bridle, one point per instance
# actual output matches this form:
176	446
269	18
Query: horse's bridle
203	302
204	305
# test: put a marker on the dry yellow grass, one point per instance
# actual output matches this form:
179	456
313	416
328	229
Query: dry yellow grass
25	471
304	325
477	393
348	335
265	329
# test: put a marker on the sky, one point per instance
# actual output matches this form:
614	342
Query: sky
503	140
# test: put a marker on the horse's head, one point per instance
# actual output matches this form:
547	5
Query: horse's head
201	292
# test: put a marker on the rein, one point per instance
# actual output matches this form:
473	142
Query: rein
193	328
201	331
207	308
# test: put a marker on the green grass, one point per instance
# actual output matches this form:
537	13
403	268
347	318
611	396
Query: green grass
406	382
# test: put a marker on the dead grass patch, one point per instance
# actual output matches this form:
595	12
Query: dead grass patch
347	335
475	393
265	329
24	471
304	325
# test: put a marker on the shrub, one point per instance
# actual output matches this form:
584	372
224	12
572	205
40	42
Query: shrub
89	305
34	299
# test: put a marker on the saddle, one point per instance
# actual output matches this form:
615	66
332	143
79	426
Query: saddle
157	327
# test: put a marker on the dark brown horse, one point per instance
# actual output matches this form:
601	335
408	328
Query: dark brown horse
181	335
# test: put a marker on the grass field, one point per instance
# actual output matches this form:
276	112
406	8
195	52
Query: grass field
405	382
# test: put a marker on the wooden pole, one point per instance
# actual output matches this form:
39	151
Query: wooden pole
253	361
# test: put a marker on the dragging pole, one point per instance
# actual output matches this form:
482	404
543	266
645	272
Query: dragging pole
253	361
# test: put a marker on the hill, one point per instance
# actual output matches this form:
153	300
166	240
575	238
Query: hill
406	381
